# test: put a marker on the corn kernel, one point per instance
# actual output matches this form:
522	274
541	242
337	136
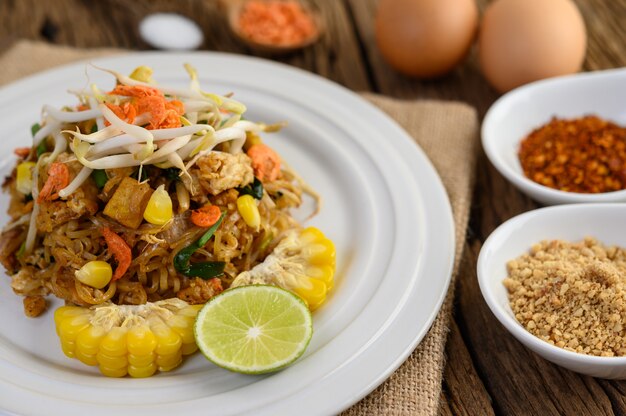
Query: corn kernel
168	340
66	312
314	292
24	177
113	372
141	360
114	343
159	209
111	361
183	326
96	274
68	348
325	273
88	340
141	341
142	371
320	252
142	73
249	211
70	328
89	359
169	360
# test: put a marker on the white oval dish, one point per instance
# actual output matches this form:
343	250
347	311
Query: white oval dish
524	109
515	237
385	208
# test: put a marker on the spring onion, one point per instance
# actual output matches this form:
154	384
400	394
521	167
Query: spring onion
204	270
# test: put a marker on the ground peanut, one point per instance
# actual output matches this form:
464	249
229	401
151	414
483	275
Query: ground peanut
572	295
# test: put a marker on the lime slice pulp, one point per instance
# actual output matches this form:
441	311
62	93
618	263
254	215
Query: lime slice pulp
254	329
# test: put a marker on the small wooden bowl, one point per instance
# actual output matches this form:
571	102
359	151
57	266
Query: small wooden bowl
233	10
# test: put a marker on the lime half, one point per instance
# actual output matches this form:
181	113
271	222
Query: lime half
254	329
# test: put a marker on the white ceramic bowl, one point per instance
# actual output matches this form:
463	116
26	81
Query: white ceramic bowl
520	111
605	222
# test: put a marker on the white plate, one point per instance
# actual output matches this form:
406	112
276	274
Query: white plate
522	110
384	207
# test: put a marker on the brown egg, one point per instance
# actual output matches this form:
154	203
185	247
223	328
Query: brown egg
425	38
526	40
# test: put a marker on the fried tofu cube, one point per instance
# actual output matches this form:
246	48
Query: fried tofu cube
128	203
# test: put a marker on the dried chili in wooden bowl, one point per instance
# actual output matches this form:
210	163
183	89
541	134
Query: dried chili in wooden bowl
584	155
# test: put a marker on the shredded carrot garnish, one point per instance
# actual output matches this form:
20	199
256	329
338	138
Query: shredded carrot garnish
121	252
58	178
135	91
125	111
22	152
206	216
82	107
265	162
276	22
163	113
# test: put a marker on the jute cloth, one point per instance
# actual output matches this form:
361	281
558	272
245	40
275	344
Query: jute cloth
446	131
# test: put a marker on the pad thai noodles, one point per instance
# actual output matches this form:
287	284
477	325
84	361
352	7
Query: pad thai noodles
140	193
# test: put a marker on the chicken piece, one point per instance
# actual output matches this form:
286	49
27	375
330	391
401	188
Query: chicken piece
10	242
34	306
82	202
200	290
128	203
217	172
26	283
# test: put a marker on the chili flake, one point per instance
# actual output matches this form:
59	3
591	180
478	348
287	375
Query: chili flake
585	155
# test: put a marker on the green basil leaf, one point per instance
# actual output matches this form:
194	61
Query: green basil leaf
100	177
41	148
35	128
206	270
181	259
255	189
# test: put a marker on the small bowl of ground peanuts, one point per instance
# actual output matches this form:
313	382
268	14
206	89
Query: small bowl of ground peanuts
562	140
556	279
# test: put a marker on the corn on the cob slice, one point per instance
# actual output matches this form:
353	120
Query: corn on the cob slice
128	339
303	262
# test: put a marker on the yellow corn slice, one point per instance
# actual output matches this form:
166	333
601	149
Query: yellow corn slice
128	340
311	250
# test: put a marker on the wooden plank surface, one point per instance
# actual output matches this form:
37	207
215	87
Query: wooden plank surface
487	372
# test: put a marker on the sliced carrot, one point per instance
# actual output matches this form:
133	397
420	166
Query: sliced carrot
58	178
265	162
121	252
135	91
206	216
82	107
22	152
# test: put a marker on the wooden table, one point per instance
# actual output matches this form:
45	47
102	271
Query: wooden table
488	371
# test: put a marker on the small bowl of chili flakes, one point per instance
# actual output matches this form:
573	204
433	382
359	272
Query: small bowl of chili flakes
562	140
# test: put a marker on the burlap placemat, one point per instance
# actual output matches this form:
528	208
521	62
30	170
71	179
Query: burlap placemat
446	131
